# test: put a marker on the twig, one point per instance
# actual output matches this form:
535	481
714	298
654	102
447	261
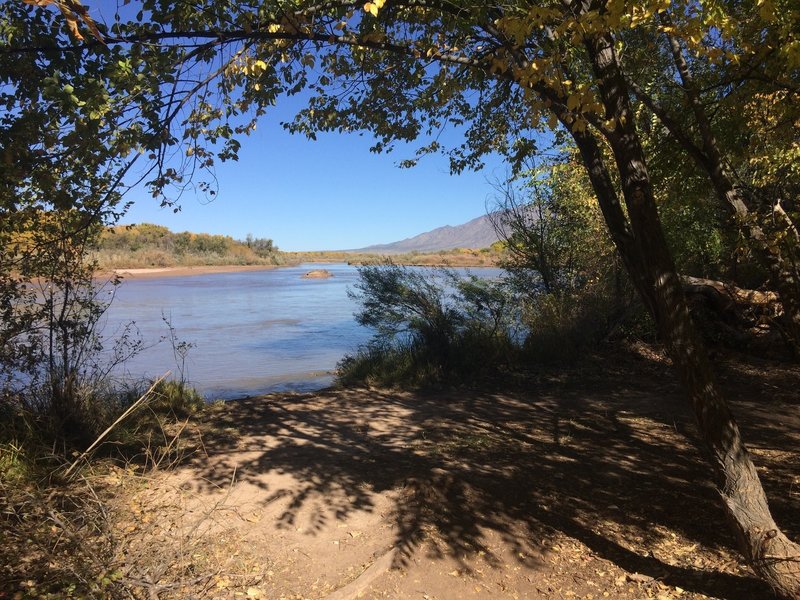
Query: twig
111	427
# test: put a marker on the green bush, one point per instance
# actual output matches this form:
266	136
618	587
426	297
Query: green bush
395	365
429	327
176	397
563	325
561	262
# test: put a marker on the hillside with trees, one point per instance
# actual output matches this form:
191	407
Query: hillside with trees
147	245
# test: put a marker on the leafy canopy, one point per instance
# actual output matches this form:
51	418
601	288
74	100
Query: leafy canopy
180	84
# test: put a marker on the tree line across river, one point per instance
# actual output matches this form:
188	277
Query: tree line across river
148	245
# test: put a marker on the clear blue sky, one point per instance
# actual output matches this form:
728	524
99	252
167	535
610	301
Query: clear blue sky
326	195
329	194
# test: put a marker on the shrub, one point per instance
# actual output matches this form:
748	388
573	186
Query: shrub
562	325
429	326
146	245
562	263
176	397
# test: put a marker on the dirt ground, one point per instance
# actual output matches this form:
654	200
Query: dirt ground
572	483
582	483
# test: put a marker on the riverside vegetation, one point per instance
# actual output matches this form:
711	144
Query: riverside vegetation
147	245
655	211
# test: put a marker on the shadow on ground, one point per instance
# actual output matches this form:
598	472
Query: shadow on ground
603	455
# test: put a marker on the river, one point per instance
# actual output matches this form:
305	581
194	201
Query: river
251	332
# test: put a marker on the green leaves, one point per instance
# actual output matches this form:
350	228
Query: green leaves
403	71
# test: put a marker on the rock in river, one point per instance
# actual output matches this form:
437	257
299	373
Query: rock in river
318	274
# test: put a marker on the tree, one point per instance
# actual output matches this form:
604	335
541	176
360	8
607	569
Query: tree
498	72
70	123
554	234
51	361
754	66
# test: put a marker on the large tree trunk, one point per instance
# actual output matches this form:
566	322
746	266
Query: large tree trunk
771	554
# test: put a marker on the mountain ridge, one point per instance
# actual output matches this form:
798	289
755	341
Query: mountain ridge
474	234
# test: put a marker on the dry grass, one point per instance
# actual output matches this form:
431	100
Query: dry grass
103	528
450	258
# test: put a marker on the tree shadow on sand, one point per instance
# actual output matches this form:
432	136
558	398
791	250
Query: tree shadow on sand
590	455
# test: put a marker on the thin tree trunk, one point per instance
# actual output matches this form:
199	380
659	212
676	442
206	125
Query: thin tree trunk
771	554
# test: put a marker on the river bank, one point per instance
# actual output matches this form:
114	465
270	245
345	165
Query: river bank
580	481
457	258
155	272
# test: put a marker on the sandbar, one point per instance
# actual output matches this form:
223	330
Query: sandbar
153	272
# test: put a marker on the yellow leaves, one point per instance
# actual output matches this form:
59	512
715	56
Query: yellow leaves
579	125
573	101
539	69
791	52
774	150
242	64
595	107
246	65
539	16
615	10
274	28
374	6
635	14
580	98
516	28
73	12
714	55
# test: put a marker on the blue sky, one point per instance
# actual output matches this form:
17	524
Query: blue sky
329	194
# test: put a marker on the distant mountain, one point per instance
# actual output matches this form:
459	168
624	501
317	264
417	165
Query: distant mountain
477	233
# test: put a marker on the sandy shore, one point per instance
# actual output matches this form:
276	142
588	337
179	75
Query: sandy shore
152	272
575	484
